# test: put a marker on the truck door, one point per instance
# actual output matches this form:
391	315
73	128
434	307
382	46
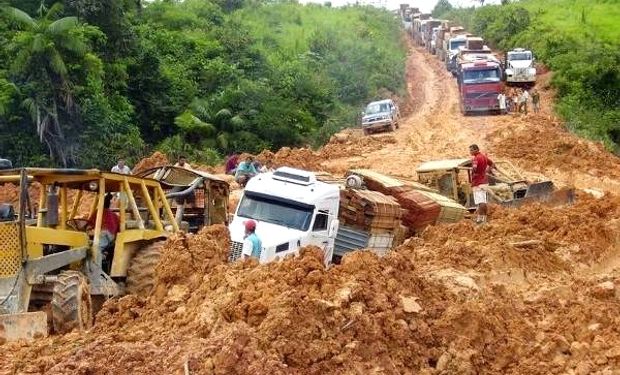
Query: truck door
324	231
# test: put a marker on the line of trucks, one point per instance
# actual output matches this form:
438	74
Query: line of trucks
479	71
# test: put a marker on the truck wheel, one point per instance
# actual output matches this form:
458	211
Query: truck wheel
392	127
141	270
366	131
71	304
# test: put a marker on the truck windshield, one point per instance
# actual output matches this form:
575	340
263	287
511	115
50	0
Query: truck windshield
480	76
374	108
276	211
519	56
456	44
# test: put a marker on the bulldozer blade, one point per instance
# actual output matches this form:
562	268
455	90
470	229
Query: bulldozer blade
23	326
562	196
540	190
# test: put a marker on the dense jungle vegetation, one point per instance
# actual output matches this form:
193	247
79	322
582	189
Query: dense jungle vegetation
84	82
578	39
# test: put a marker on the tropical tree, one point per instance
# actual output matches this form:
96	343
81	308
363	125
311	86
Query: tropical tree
44	50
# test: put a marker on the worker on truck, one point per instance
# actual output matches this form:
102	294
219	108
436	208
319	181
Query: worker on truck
481	166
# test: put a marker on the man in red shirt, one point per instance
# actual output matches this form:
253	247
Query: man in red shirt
481	166
110	224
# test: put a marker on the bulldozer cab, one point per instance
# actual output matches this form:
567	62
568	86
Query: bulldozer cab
507	186
450	177
197	198
52	231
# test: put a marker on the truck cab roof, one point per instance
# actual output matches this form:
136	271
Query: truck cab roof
293	184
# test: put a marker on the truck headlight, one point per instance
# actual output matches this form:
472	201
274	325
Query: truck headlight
532	71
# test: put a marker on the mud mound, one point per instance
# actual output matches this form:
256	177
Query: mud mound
584	233
547	144
302	158
156	160
351	142
386	315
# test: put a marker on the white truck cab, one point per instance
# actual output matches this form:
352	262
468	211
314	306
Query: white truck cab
520	66
292	209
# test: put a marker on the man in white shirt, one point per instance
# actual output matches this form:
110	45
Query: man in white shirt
183	163
121	168
525	96
501	98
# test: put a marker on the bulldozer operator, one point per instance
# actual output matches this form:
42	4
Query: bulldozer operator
109	228
481	167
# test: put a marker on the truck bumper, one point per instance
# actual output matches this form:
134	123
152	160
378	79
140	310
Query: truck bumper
377	124
518	79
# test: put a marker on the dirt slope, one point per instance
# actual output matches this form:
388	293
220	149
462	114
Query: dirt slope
459	299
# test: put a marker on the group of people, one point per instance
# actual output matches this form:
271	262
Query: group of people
246	169
516	100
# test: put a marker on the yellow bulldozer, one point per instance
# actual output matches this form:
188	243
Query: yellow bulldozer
50	254
507	185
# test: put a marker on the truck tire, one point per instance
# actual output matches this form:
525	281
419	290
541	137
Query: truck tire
366	131
392	127
71	304
141	270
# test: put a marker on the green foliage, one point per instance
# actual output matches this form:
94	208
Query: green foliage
441	8
88	81
579	40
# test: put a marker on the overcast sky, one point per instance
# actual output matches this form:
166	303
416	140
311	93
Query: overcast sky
424	5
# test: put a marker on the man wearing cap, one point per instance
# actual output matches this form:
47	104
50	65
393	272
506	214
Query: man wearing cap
252	245
481	165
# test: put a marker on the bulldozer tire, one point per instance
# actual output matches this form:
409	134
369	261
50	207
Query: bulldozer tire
141	270
71	304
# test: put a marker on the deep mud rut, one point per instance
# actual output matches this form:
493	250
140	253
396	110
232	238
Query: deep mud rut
456	299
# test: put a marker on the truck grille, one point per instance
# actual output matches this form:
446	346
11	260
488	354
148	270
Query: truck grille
235	251
520	71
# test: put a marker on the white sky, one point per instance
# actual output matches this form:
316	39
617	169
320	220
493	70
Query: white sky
424	5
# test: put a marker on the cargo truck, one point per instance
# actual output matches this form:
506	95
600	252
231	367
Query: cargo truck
479	82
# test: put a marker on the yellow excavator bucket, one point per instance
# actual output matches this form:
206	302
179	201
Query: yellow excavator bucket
23	326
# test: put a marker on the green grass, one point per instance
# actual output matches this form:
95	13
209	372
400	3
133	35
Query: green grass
581	18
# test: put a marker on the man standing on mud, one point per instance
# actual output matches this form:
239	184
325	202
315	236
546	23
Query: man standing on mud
481	165
536	101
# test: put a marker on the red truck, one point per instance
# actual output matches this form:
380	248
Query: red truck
480	82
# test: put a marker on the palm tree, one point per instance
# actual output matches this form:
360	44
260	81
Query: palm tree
201	123
42	48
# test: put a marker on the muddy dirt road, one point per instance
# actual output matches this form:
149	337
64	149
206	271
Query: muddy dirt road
537	143
457	299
